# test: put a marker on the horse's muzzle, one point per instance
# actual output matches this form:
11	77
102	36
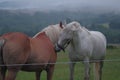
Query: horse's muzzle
58	48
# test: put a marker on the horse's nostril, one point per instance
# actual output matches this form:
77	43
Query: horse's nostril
57	49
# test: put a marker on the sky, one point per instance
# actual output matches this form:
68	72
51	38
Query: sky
61	4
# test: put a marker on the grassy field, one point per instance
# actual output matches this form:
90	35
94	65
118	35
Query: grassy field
111	69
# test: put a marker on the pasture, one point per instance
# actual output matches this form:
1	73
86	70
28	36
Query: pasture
111	69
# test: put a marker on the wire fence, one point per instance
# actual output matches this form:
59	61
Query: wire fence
66	62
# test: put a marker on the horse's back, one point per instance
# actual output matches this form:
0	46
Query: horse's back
16	38
16	48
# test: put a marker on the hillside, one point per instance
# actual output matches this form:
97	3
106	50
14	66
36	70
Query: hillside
31	21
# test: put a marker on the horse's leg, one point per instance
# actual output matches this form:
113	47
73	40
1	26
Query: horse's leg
12	72
72	65
87	69
0	74
98	70
101	66
3	72
50	71
38	74
11	75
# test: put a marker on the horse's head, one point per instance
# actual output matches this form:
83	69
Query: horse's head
66	35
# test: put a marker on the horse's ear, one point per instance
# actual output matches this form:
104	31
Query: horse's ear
61	25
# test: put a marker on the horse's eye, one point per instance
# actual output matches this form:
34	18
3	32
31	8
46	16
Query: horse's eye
67	40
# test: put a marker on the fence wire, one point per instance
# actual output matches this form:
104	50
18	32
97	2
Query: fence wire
35	64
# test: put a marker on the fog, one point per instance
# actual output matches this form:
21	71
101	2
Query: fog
70	5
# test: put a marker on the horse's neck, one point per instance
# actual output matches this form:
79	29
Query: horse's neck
84	33
80	36
41	35
53	38
53	34
75	39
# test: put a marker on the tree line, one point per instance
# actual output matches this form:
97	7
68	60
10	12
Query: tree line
33	22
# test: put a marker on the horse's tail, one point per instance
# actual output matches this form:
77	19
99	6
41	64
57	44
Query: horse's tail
2	67
2	42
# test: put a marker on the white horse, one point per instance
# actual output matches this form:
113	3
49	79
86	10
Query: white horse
83	45
52	31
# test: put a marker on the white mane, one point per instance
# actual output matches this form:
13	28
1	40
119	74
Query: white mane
74	23
76	26
52	31
86	30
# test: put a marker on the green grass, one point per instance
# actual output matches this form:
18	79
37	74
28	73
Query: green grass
111	69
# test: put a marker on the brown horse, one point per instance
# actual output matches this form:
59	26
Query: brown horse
18	51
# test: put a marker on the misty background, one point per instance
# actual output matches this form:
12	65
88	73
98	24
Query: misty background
31	16
72	5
